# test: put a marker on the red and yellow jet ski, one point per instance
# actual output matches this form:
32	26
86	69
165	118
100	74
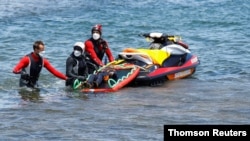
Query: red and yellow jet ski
167	58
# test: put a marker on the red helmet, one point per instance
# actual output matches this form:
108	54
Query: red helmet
98	28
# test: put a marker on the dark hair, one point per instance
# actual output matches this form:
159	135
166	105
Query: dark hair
37	43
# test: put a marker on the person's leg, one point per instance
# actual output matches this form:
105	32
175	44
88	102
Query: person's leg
99	79
90	81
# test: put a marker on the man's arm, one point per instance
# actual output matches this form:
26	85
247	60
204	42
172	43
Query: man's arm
24	62
52	70
108	52
90	49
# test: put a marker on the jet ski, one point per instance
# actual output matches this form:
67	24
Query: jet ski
166	58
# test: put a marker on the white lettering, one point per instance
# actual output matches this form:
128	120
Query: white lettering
195	59
182	73
217	132
174	132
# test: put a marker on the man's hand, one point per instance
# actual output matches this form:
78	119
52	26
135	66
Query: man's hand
16	72
81	78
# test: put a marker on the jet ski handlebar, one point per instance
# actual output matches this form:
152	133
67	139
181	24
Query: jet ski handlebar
156	35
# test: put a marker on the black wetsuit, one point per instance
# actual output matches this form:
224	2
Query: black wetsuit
30	79
76	68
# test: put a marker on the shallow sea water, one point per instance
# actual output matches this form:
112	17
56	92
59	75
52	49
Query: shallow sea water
218	93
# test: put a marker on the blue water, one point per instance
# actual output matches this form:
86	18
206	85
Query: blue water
217	31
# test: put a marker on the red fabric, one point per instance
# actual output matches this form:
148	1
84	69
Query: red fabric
89	47
182	44
109	54
24	62
97	27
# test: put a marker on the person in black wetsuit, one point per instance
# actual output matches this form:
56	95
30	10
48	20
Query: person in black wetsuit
76	66
30	67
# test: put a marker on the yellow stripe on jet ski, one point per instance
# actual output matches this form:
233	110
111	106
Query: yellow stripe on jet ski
158	56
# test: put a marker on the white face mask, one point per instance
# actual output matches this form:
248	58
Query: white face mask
77	53
96	36
42	53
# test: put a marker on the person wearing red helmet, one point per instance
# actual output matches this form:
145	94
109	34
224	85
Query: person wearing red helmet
76	67
31	65
95	49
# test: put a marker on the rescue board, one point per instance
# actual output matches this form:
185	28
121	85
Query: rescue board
125	73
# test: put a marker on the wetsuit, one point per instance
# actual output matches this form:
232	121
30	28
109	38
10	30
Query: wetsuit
76	68
30	67
95	50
